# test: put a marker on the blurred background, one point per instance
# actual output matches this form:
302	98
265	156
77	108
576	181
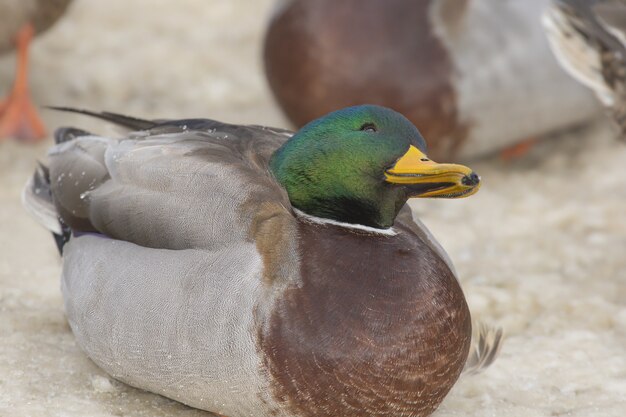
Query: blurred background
540	250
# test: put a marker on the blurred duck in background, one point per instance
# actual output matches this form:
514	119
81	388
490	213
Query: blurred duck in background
20	20
475	76
588	38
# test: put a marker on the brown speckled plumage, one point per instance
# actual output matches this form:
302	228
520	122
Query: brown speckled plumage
588	37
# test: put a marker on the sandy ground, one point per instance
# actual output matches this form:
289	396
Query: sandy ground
540	250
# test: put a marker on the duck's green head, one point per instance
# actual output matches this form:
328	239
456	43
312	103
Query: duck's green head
361	164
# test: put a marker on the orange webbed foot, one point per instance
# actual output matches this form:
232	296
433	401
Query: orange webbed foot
19	119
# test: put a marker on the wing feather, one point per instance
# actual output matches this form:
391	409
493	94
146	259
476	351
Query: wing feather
175	190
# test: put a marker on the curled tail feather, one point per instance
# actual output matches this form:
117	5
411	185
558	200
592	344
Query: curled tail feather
37	194
37	199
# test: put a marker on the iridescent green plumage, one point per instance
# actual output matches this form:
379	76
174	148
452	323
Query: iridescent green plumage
334	166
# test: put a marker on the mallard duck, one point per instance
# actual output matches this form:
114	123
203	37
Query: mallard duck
20	20
588	38
475	76
250	271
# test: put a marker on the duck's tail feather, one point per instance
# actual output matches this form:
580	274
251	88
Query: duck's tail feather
132	123
37	194
579	43
591	50
37	199
485	347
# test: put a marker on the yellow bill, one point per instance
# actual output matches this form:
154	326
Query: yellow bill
426	178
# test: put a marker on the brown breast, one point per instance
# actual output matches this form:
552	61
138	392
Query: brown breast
324	55
374	329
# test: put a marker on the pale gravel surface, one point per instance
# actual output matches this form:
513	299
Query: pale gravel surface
541	249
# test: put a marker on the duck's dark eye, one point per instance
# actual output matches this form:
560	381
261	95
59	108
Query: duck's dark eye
369	127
